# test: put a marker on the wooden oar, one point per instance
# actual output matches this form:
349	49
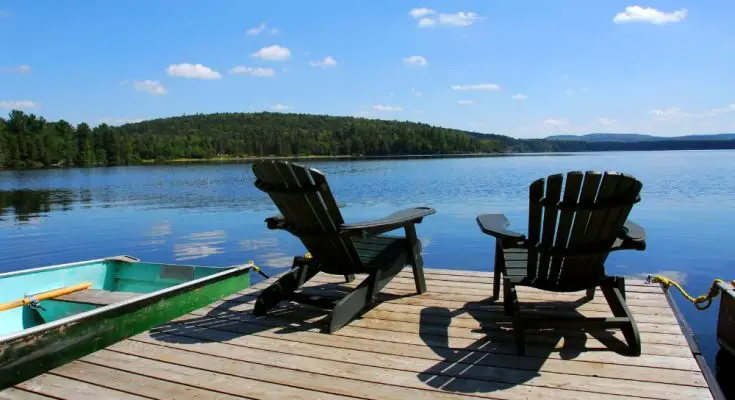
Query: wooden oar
45	296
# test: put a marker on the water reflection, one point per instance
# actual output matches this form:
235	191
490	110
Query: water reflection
25	204
202	244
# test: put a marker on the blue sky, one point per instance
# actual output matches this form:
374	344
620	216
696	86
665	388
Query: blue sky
520	68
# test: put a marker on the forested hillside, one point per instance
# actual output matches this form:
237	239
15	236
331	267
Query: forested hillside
28	141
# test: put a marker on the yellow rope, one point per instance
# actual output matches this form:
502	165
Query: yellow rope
705	299
255	268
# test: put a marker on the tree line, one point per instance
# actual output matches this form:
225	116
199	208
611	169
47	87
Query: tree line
28	141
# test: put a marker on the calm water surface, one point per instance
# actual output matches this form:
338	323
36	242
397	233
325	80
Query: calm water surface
213	215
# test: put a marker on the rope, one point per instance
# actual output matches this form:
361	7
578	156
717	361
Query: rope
255	268
700	302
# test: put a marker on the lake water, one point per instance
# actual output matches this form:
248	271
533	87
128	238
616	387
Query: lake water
213	215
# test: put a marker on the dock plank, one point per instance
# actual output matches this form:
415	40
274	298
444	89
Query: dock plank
448	343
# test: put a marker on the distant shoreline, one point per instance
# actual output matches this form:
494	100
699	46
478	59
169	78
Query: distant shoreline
320	158
251	159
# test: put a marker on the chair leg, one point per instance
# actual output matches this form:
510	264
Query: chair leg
497	269
513	309
287	284
415	259
362	296
590	294
349	278
614	291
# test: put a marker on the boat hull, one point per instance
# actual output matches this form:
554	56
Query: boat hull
36	350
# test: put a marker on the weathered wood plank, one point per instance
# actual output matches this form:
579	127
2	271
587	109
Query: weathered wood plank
19	394
391	293
205	373
647	300
65	388
265	375
649	291
464	274
492	329
135	383
237	333
544	344
301	355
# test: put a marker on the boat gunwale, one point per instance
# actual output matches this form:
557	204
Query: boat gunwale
144	298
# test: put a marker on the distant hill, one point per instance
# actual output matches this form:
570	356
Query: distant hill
636	137
28	141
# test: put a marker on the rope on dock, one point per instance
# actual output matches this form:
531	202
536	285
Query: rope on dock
700	302
255	268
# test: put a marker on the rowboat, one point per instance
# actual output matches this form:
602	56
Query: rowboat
52	315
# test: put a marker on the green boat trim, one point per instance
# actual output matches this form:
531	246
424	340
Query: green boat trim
36	350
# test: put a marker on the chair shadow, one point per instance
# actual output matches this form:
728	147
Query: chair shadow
492	364
233	318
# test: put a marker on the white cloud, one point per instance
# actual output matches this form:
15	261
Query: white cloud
274	31
421	12
17	104
19	69
256	30
477	86
280	107
459	19
273	53
606	121
152	87
569	92
519	96
556	122
566	76
327	62
417	61
426	22
466	102
259	72
649	15
717	111
427	17
192	71
671	112
387	108
416	92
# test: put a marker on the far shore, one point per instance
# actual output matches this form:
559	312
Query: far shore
321	158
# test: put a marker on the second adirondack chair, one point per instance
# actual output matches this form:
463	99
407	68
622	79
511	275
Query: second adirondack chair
309	211
571	232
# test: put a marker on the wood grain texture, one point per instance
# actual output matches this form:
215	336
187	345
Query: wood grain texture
438	345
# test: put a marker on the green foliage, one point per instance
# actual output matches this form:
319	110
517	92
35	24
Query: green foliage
28	141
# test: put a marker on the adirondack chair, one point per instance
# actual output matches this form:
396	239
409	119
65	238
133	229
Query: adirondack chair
309	211
569	255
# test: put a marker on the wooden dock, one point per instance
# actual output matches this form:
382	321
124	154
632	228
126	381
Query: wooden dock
448	343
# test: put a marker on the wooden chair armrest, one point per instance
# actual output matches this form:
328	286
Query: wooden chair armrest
394	221
495	225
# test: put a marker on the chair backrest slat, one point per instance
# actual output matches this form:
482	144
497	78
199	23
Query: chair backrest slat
535	194
572	252
310	212
553	193
563	232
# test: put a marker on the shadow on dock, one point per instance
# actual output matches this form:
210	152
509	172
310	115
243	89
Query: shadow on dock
488	364
476	363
